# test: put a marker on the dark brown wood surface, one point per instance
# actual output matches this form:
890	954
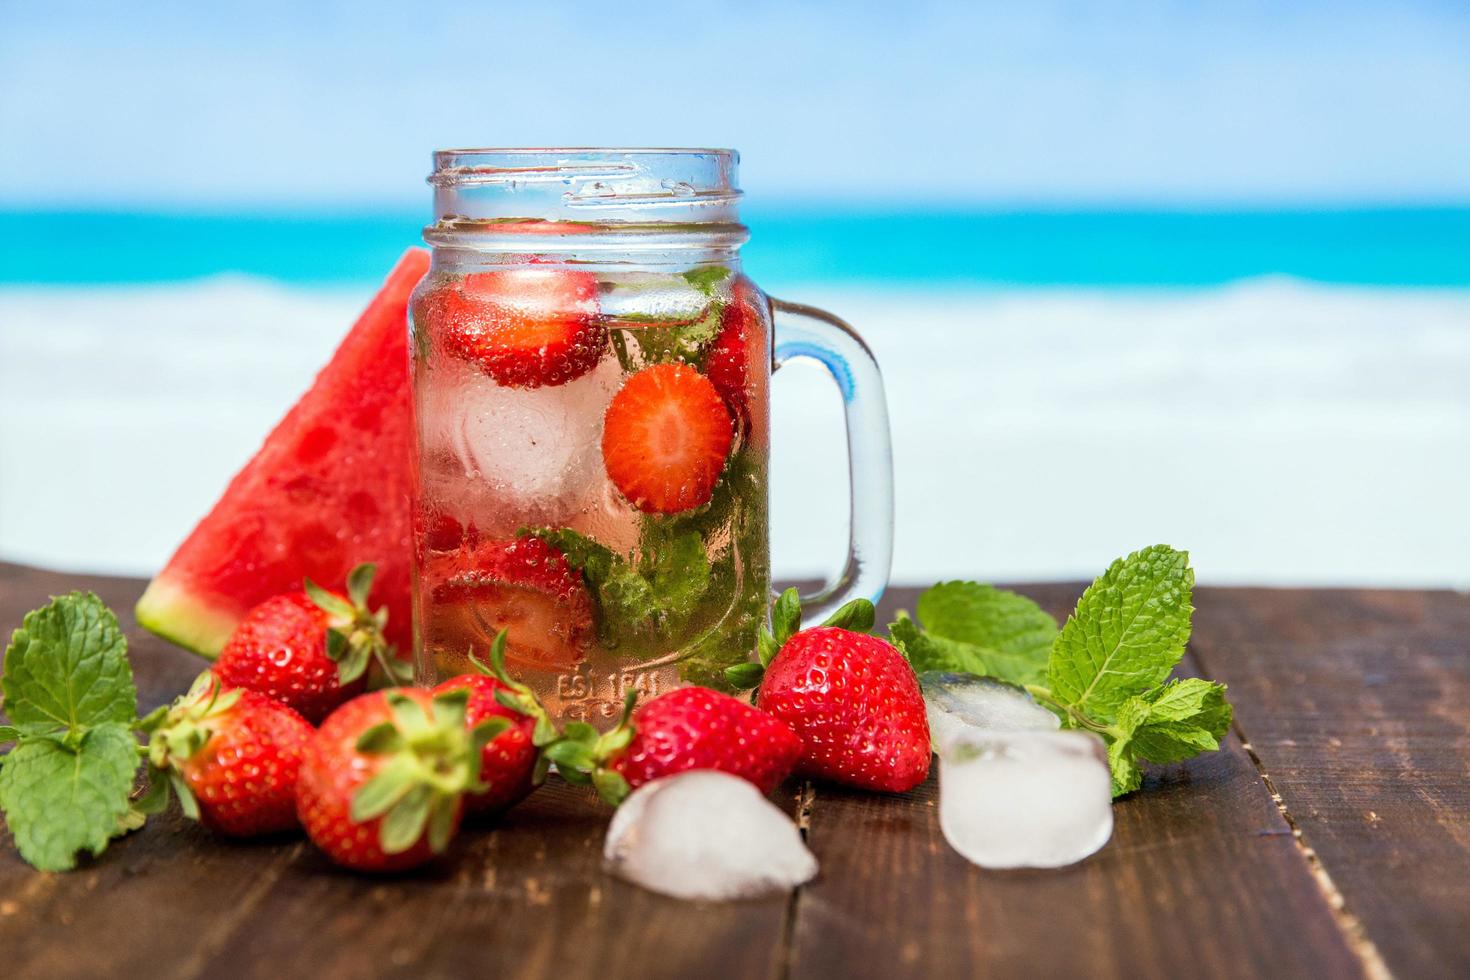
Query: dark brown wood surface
1352	706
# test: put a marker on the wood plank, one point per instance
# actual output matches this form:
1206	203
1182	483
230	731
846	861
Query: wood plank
1202	877
1355	701
1358	705
526	899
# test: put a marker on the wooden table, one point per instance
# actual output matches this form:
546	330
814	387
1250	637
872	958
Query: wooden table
1330	837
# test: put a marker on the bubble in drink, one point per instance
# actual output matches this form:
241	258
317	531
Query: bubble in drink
1025	799
617	555
706	835
532	449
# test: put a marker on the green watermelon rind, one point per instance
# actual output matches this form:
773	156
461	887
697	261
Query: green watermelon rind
183	618
186	604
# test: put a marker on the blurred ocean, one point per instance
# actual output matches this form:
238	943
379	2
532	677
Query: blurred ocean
1286	394
901	246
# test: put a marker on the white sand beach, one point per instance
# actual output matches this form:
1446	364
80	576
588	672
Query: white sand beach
1281	431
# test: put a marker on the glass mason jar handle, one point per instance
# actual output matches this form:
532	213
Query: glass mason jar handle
805	331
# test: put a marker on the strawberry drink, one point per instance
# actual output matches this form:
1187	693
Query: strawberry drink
591	394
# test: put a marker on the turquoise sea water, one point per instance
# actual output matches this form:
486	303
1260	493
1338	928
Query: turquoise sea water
1379	247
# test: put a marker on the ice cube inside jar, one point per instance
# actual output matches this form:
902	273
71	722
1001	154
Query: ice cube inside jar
1025	799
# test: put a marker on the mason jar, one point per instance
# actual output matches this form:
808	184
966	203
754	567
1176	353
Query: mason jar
591	376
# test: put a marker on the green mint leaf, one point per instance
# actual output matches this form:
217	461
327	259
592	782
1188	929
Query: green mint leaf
662	596
1193	700
985	616
927	651
706	278
1127	633
8	734
60	800
977	629
656	595
682	342
1122	759
1183	718
67	667
1127	777
678	573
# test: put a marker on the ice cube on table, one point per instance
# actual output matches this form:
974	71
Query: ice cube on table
960	703
1025	799
706	835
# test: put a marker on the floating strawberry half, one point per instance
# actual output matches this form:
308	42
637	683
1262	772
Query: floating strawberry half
231	757
739	355
311	649
665	439
523	585
852	698
383	781
523	327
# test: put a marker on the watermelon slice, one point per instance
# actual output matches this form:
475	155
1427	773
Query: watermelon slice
329	489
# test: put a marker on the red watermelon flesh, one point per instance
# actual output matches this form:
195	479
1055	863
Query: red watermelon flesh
329	489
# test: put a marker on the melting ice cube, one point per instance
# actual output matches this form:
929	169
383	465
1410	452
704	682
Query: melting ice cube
528	446
706	835
961	703
1025	799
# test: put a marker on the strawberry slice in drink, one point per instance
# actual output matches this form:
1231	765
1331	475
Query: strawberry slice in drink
738	357
524	586
665	439
523	327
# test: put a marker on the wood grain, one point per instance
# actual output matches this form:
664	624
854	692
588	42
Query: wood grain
1358	704
1354	702
524	899
1202	877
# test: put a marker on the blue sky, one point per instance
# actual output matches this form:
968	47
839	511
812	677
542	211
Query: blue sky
190	104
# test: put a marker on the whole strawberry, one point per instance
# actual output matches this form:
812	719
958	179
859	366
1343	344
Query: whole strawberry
383	781
231	757
851	697
309	649
687	728
510	763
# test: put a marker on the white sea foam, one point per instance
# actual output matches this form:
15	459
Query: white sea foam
1284	432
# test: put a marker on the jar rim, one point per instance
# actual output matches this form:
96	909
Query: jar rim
702	150
676	185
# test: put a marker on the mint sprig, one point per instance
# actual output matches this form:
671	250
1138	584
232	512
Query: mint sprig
660	340
1105	671
1127	633
69	694
978	629
654	593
